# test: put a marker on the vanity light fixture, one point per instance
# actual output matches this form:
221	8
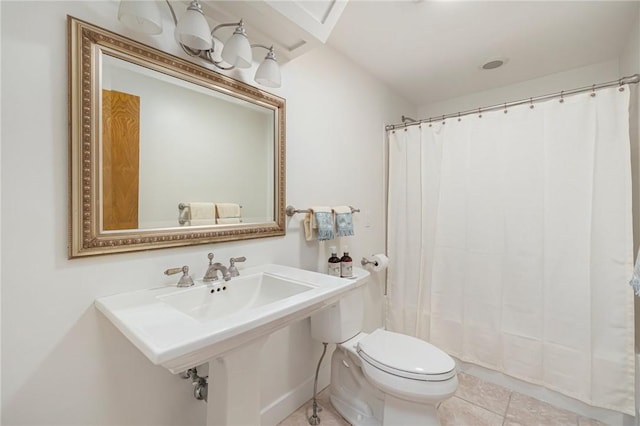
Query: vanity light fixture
196	38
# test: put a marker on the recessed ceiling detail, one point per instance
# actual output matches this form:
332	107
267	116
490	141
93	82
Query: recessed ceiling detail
294	27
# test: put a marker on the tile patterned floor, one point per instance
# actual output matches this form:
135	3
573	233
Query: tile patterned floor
476	403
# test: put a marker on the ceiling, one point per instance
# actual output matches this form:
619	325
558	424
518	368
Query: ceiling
429	51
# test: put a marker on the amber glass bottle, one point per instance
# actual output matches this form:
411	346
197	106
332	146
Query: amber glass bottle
333	265
346	264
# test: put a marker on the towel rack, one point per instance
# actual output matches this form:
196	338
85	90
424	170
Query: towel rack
290	210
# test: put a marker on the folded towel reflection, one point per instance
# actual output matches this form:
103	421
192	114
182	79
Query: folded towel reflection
324	222
202	222
226	210
344	221
227	220
202	211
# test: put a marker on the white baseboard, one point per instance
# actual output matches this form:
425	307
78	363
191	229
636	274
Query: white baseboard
282	407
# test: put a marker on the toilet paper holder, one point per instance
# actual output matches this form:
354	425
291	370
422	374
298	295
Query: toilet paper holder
377	262
365	262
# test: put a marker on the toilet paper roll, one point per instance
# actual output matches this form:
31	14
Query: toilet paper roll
381	264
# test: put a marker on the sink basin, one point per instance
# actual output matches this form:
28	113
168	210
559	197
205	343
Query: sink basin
180	328
216	301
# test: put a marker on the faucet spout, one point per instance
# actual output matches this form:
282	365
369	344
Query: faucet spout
212	272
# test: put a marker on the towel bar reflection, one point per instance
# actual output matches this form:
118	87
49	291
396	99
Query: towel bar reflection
183	206
290	210
184	212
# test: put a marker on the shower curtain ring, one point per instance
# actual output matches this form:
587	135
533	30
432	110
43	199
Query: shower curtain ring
479	112
429	122
562	96
443	122
505	108
531	103
593	91
621	88
459	119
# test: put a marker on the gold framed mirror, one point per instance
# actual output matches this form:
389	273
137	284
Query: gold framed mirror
166	153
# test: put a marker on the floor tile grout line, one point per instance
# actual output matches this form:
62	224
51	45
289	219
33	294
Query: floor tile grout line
475	403
504	418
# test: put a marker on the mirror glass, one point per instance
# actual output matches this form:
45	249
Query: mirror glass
189	145
165	152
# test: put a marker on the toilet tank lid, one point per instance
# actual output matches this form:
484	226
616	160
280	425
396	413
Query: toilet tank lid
406	356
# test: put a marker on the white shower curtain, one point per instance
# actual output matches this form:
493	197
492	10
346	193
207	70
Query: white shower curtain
510	237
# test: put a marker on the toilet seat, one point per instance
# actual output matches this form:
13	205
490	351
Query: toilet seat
406	356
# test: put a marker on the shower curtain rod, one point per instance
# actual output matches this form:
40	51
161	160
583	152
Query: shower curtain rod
632	79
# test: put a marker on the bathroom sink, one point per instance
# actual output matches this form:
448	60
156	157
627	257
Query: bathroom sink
180	328
211	302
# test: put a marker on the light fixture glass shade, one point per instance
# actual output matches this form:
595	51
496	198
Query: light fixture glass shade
193	29
268	73
237	50
141	16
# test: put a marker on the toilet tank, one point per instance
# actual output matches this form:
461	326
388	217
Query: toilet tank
340	321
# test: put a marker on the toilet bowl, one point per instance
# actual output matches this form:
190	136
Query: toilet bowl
382	378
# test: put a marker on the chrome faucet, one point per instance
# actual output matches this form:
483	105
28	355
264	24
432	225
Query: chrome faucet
212	271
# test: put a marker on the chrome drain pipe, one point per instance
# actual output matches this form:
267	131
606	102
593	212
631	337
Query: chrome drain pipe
200	385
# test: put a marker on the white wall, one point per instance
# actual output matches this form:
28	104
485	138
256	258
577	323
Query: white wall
571	79
63	363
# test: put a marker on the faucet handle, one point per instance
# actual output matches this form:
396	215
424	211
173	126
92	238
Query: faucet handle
210	256
233	271
185	280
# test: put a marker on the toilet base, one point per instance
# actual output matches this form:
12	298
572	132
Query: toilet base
398	412
352	415
362	404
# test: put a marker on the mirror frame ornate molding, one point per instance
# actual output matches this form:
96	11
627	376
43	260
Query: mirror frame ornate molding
86	237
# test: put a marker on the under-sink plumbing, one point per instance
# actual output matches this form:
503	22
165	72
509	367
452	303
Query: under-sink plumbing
200	389
314	419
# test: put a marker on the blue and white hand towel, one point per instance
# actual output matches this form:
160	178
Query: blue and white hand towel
344	221
324	222
635	278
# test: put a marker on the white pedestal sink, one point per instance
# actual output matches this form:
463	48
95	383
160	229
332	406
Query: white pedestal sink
224	324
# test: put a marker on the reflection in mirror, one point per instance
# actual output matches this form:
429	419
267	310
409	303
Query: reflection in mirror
166	153
167	142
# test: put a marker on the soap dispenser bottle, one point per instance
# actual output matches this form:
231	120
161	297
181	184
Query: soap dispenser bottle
333	265
346	264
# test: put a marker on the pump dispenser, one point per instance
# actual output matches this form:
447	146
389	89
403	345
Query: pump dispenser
346	264
333	265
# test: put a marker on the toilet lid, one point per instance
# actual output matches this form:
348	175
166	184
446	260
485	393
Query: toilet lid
406	356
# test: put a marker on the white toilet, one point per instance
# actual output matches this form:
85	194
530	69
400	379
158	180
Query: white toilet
382	378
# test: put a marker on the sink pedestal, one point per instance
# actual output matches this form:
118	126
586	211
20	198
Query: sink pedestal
234	386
